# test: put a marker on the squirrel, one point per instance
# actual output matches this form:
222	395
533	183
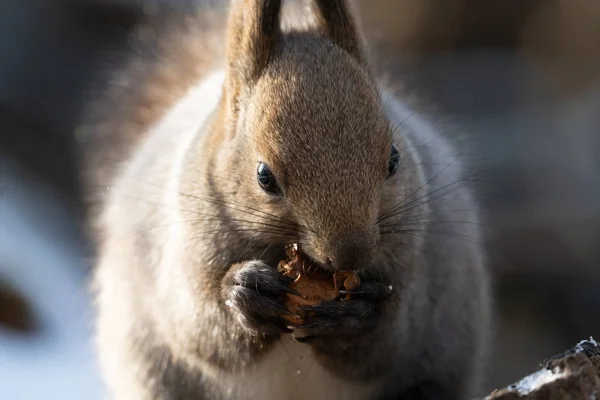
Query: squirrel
228	154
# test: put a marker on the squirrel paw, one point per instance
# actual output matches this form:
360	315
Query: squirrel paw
256	293
343	319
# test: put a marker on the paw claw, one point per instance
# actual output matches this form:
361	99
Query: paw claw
256	293
307	326
352	292
304	339
370	291
314	309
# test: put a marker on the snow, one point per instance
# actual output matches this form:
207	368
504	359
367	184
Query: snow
579	347
537	380
38	258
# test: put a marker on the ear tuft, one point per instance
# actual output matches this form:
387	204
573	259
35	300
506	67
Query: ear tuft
334	20
253	30
252	33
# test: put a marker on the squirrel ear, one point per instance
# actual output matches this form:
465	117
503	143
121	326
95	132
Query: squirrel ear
253	29
334	19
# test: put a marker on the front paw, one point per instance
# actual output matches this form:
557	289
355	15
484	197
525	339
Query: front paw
256	293
343	319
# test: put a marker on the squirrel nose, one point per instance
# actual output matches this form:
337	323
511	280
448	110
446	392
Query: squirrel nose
351	251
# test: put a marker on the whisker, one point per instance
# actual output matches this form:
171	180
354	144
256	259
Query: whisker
409	223
293	227
217	218
262	254
445	212
402	246
219	254
415	202
218	202
384	215
414	112
436	231
237	230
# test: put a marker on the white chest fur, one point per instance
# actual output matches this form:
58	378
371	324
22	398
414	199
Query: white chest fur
290	371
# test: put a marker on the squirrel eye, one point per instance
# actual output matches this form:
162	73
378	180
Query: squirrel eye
393	161
266	179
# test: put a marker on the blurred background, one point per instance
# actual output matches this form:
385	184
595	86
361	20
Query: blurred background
520	78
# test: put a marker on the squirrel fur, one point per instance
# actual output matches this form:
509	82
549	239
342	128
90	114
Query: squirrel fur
188	297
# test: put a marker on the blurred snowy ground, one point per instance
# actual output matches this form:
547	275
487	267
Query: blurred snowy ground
39	258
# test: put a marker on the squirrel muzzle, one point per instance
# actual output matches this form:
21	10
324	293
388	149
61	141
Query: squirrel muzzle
349	251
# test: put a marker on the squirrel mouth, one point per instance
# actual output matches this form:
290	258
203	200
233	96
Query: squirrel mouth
298	264
305	264
310	265
313	285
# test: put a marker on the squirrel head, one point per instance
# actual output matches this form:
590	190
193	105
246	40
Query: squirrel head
305	131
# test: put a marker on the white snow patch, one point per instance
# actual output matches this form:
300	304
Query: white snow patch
536	380
579	346
38	256
544	376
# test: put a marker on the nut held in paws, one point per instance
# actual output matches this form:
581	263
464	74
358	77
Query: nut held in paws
314	283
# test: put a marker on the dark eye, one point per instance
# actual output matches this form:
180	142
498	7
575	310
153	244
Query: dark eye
393	161
266	179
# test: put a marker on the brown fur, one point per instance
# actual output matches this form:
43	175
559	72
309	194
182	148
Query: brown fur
188	294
